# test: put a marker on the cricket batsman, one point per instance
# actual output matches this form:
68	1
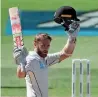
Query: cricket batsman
37	61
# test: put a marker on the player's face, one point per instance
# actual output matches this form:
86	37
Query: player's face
43	47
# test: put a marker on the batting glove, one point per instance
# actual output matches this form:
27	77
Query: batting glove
20	57
73	29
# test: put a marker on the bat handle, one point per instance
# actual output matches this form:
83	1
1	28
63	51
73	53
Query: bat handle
22	67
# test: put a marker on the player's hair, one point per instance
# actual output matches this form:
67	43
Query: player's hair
42	36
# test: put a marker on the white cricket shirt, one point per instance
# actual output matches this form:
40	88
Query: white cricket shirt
37	73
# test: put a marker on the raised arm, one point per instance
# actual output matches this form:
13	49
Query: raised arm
71	42
66	16
20	60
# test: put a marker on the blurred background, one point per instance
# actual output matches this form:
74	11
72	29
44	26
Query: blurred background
37	16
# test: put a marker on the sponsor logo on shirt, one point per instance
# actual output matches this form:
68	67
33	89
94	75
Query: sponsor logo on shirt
42	66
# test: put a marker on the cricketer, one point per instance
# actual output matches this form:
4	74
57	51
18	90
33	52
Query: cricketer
37	61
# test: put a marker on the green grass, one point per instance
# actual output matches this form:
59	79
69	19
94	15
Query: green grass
59	75
51	4
59	83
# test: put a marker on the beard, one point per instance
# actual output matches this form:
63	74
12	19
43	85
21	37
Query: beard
42	54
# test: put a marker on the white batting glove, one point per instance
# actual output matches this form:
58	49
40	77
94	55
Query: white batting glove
20	57
73	29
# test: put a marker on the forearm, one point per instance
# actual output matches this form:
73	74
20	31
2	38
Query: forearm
69	47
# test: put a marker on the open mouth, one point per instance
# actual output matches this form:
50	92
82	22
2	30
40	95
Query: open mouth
45	52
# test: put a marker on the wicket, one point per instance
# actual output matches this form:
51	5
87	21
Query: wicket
81	77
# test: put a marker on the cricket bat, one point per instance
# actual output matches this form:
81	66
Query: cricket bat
16	27
16	30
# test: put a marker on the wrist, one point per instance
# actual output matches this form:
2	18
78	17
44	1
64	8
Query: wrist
72	39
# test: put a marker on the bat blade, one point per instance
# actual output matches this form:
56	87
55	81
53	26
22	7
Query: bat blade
16	27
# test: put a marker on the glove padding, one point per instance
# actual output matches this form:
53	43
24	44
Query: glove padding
73	29
20	56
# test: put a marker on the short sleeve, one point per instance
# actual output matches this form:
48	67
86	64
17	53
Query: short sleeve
31	65
53	58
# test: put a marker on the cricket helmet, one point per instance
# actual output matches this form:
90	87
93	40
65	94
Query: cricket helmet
65	12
